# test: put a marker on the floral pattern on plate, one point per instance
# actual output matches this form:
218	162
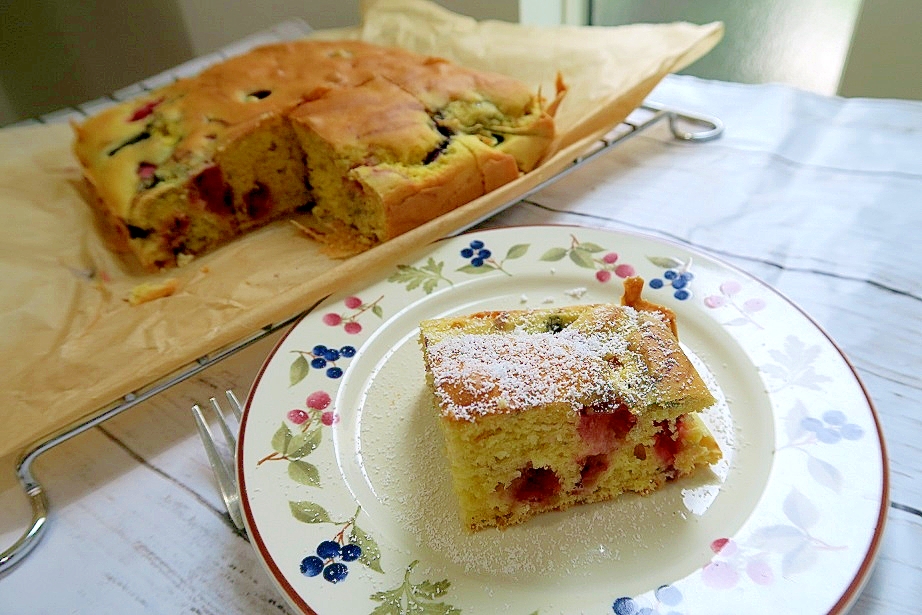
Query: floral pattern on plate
340	400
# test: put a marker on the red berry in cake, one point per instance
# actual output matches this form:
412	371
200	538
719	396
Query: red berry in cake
353	302
332	319
352	328
144	110
146	170
603	275
318	400
297	416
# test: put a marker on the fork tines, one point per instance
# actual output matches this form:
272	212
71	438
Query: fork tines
221	455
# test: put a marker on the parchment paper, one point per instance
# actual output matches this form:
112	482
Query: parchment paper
71	344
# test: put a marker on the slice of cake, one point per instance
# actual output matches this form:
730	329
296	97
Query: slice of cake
544	409
372	140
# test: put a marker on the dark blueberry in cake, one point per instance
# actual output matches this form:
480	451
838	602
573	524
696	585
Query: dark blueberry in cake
554	324
258	201
259	94
135	139
136	232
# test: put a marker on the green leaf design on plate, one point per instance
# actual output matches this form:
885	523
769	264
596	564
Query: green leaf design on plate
309	512
371	553
280	439
377	310
304	473
554	254
517	251
665	262
428	276
414	598
430	590
299	370
591	247
304	444
485	268
582	258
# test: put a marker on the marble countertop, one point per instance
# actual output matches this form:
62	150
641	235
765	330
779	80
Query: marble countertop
819	197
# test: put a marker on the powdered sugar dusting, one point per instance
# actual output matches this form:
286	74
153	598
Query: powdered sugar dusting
508	371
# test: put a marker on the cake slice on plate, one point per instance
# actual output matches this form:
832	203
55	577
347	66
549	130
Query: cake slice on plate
548	408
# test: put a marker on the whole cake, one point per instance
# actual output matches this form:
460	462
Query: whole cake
372	140
544	409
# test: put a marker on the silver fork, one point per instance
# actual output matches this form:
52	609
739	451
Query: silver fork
222	457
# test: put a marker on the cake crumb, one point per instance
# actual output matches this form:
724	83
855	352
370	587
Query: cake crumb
184	259
576	293
523	299
547	300
148	291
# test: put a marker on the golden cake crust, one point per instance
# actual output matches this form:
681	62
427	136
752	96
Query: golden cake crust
407	137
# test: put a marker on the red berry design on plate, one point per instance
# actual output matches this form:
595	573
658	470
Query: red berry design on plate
727	298
720	575
724	546
349	321
332	319
298	416
329	418
318	400
591	256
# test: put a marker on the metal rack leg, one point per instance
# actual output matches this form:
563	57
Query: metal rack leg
39	501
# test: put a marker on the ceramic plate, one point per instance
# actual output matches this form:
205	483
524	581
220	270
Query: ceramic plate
347	494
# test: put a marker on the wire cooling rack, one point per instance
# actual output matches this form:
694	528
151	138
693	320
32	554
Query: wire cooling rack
691	127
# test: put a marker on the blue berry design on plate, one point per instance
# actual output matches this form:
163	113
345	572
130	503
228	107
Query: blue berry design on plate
667	597
476	252
333	556
810	435
676	276
331	560
832	427
319	357
481	260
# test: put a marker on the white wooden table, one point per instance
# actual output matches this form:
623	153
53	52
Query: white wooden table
819	197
